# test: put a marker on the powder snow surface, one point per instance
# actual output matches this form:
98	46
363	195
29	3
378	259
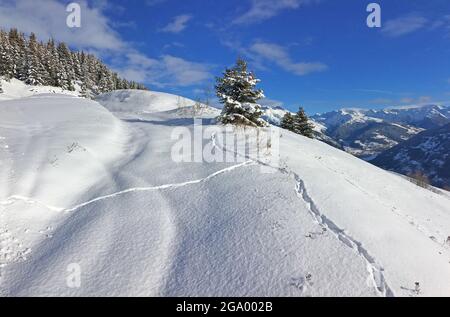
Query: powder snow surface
93	184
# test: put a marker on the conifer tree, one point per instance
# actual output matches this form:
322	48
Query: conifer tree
6	63
288	121
237	92
302	125
54	64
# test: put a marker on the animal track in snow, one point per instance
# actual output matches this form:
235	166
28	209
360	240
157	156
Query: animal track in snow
376	275
10	200
302	283
11	249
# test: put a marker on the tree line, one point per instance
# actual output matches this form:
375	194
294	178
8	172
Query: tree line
55	64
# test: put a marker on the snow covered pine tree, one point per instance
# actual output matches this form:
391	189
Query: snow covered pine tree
302	125
54	64
236	91
298	123
288	122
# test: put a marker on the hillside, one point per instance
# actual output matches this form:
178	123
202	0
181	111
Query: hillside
428	153
95	185
15	89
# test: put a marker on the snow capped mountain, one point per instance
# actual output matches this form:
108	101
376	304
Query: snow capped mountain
92	187
367	133
428	152
423	116
273	115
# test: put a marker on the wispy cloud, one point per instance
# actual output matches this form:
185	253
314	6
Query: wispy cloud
47	19
375	91
261	10
280	56
272	103
165	71
178	24
416	100
404	25
442	23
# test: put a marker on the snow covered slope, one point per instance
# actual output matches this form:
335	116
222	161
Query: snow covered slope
95	191
14	89
142	101
428	153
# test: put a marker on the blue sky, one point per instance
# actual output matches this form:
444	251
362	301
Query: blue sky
316	53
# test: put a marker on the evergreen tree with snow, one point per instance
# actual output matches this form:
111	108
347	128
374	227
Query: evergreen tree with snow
17	52
237	92
6	63
302	125
288	122
54	64
67	73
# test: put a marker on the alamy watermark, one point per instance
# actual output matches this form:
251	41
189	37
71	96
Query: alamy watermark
374	18
226	144
74	17
73	279
73	20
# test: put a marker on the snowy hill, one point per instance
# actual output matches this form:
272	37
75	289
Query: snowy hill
367	133
132	101
427	152
92	186
14	89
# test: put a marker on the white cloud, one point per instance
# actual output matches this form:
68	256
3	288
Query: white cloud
178	24
418	100
166	71
261	10
272	103
280	56
404	25
47	18
185	72
413	22
173	45
442	23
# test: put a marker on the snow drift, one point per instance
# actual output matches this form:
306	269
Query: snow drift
94	186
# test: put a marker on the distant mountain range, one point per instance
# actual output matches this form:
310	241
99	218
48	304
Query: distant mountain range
428	153
368	133
403	139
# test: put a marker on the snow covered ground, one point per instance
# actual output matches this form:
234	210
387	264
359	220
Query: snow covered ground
93	186
14	89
